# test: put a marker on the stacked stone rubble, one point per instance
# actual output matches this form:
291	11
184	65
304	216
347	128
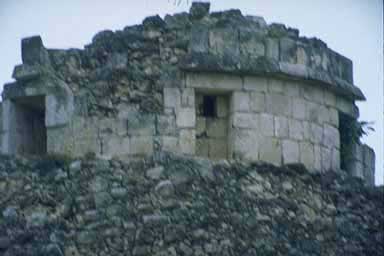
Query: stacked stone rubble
171	205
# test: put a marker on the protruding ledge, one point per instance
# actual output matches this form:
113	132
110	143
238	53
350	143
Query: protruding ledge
203	62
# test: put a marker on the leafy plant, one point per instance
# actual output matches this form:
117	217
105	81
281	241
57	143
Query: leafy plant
351	131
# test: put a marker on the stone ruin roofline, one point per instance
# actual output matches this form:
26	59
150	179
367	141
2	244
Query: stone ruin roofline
278	51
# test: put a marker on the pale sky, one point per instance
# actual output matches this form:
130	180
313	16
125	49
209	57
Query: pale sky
353	28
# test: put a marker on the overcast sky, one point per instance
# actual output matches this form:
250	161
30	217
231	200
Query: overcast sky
353	28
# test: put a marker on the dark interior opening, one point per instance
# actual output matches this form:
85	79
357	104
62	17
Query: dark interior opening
209	106
30	131
346	130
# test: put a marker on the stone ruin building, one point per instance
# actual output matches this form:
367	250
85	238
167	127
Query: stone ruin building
218	85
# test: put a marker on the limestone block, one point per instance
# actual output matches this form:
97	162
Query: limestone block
312	93
278	104
186	118
245	144
270	150
188	97
251	43
222	106
27	72
281	127
369	157
296	70
115	146
357	152
329	98
187	141
198	10
257	84
291	89
317	155
316	133
214	81
307	155
57	111
140	124
199	39
166	125
245	120
172	97
275	85
169	143
291	152
312	111
302	57
217	128
141	145
33	51
296	129
266	126
272	48
287	50
324	114
369	165
335	165
257	102
218	148
115	126
201	125
224	42
7	113
331	137
202	147
326	159
333	117
299	108
61	140
356	169
344	105
241	102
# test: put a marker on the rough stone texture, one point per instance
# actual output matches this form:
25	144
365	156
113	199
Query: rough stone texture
183	206
132	92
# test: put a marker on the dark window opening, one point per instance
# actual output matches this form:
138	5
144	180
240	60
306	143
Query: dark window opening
347	139
209	106
30	136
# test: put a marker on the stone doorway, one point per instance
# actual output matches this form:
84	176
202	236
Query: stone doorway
27	134
212	124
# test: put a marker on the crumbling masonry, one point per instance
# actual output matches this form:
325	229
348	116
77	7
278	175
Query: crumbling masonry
219	85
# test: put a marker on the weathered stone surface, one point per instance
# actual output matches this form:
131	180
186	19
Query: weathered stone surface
281	127
258	84
245	144
307	156
266	124
246	120
291	152
199	10
172	212
33	51
241	102
131	93
270	150
278	104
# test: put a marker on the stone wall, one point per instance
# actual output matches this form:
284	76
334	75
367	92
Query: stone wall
132	92
362	163
169	205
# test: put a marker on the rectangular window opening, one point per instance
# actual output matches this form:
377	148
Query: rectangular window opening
212	125
30	134
347	138
209	106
